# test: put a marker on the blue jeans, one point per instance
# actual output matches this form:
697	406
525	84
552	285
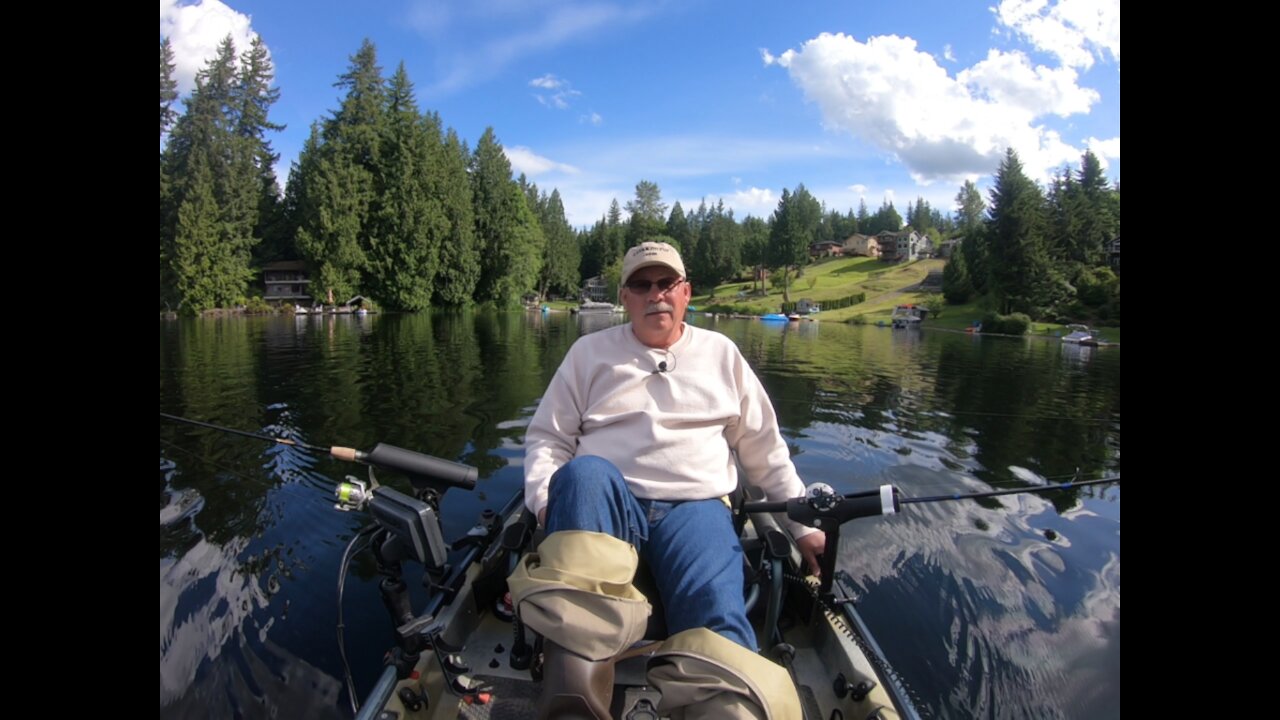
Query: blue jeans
691	547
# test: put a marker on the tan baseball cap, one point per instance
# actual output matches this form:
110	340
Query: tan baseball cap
648	254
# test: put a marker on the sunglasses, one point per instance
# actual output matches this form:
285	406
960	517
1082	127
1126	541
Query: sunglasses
642	286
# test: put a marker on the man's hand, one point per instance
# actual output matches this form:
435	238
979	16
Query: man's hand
542	517
811	546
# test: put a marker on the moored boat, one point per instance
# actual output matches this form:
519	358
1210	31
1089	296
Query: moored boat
905	316
1080	335
593	307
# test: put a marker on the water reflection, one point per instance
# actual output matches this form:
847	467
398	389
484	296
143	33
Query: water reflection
1005	608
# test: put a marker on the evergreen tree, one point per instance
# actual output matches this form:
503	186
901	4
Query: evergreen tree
337	174
920	216
755	245
458	270
1097	223
252	98
1020	276
648	214
168	94
615	235
210	187
956	285
678	228
595	250
203	262
408	223
560	271
168	86
886	218
795	223
507	230
718	256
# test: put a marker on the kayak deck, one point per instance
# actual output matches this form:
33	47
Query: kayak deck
468	673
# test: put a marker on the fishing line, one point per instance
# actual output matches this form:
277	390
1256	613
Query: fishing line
243	433
1010	491
316	481
212	463
858	409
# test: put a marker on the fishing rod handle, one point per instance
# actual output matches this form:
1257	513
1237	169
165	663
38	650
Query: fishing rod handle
423	465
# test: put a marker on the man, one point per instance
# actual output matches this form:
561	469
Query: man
632	450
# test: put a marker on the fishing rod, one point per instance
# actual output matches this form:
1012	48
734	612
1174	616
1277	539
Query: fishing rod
823	508
424	470
1011	491
406	527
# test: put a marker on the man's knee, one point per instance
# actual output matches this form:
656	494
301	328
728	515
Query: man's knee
587	474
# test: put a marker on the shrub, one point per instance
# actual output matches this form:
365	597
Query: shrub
1015	324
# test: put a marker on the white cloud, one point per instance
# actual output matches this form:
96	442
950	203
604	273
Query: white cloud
478	39
194	32
859	189
1073	30
760	202
1009	79
560	98
1105	148
594	118
898	99
546	82
524	160
948	53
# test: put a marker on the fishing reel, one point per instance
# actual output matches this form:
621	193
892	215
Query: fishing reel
352	494
414	523
825	509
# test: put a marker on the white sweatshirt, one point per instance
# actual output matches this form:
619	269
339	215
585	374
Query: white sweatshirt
670	432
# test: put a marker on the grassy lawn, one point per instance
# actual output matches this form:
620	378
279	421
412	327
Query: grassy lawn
886	285
835	278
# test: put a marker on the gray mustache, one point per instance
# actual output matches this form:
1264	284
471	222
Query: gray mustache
658	307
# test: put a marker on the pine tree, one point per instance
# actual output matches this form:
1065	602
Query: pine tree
252	98
956	285
336	176
678	227
211	188
755	245
648	214
168	86
459	268
1020	276
560	271
795	223
1097	222
199	256
507	230
408	224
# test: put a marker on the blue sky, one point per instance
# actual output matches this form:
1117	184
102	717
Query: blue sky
714	100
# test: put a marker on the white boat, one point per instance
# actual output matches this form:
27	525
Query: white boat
1079	335
591	306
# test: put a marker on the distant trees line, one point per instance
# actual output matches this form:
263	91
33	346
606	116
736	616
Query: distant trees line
387	202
